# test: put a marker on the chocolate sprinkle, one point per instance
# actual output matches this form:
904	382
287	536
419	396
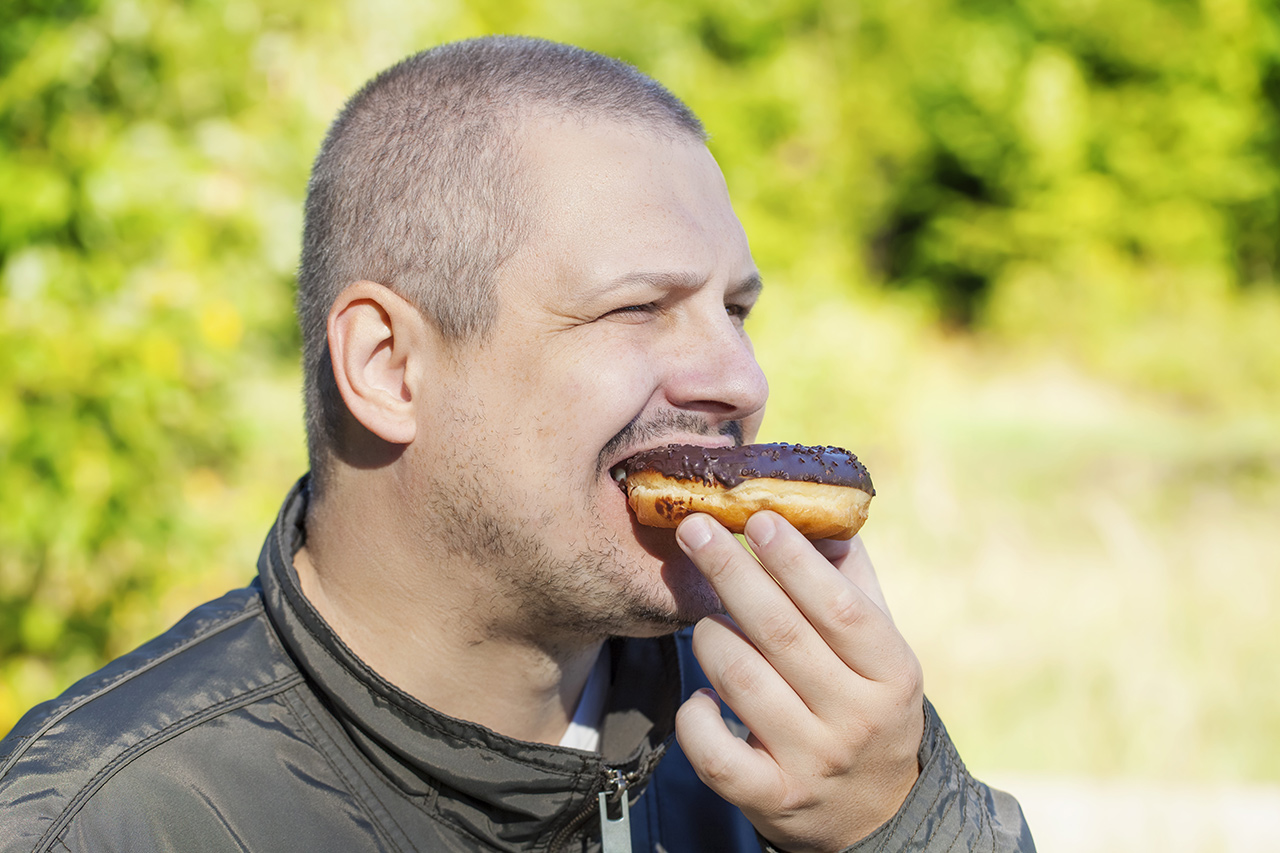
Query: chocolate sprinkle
729	466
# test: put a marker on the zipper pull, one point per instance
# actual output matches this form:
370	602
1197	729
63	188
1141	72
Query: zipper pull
615	835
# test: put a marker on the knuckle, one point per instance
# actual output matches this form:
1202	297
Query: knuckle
848	610
715	769
788	561
866	729
909	679
781	632
915	677
718	564
793	802
833	763
740	675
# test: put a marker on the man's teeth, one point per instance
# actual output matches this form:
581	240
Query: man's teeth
619	474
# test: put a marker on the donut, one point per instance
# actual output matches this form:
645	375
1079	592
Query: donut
822	491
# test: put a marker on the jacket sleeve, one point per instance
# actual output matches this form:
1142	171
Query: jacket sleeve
947	811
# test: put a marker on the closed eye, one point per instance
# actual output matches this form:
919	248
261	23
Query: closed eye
633	311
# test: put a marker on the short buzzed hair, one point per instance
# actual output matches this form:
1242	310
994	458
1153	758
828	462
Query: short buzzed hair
418	186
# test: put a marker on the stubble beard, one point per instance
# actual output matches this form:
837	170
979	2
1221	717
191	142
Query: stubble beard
560	598
560	593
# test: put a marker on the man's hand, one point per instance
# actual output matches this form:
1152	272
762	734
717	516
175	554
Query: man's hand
812	664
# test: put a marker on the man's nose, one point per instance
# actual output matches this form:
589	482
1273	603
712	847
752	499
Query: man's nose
712	368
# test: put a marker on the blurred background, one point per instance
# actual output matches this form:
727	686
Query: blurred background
1022	257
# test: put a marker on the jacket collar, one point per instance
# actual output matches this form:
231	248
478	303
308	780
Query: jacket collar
510	792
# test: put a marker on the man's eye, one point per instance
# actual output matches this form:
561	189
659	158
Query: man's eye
738	312
632	310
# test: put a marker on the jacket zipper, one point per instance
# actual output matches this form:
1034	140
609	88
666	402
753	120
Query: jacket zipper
611	788
615	835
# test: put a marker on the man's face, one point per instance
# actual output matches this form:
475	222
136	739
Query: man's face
620	329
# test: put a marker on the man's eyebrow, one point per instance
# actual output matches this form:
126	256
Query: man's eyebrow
749	286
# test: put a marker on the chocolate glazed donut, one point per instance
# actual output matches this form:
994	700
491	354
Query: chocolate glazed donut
822	491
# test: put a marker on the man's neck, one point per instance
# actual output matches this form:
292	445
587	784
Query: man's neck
435	637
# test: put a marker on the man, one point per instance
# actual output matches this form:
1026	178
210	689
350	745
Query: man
520	267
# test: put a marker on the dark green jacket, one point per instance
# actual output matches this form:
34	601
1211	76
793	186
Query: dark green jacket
250	726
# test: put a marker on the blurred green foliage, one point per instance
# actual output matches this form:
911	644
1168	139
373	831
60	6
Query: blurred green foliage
1095	180
137	214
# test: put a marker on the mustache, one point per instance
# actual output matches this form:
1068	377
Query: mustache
663	423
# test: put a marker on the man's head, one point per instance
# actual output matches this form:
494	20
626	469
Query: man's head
589	304
420	185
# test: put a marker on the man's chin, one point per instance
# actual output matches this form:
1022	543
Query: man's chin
683	598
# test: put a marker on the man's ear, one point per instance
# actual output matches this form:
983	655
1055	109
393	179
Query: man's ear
377	340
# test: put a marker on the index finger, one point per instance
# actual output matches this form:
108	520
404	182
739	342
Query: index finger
782	612
849	619
760	608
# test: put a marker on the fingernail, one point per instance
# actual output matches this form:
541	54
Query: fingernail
760	529
694	532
